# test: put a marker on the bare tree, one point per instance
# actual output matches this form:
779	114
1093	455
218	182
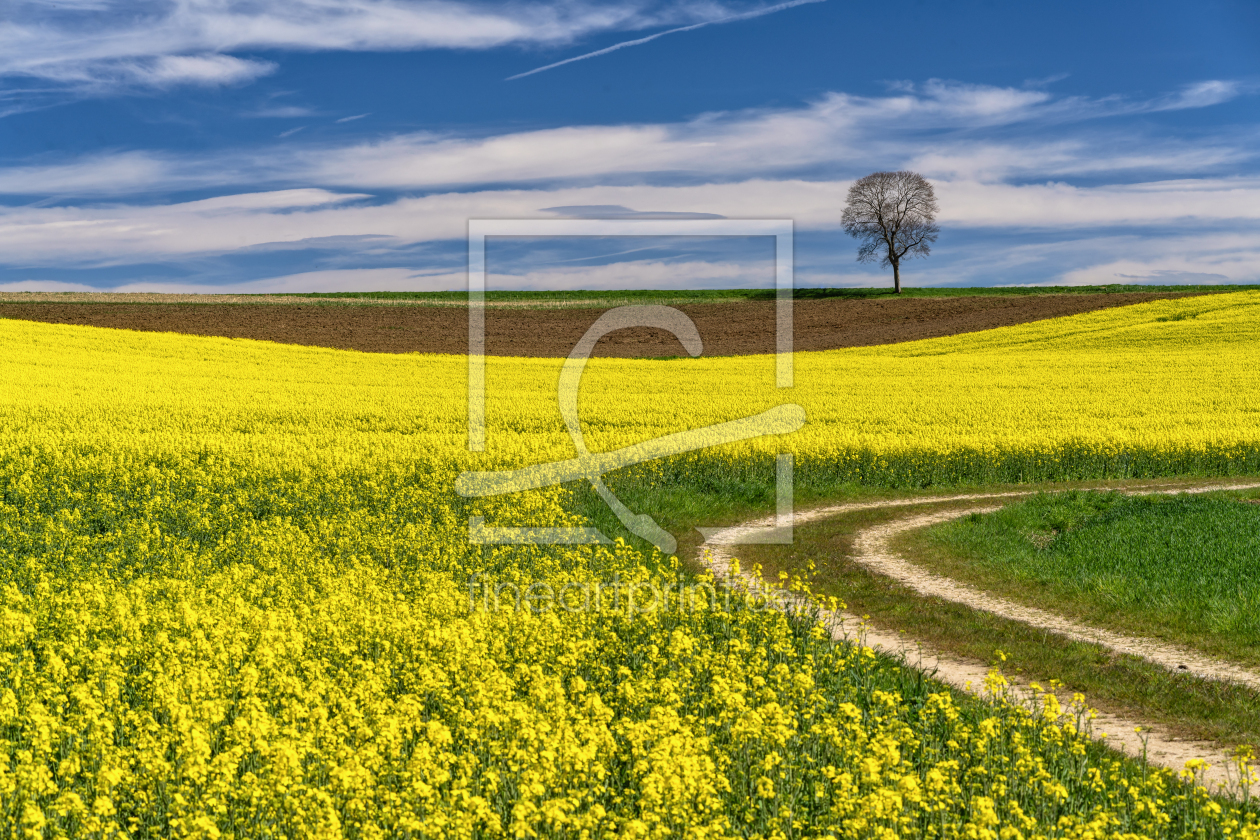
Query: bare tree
893	215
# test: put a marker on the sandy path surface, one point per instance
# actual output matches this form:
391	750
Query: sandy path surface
872	550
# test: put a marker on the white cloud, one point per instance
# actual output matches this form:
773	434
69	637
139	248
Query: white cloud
755	13
1210	259
617	211
787	163
336	280
173	41
282	112
1168	255
1059	205
1090	155
117	234
937	130
125	233
641	274
837	129
980	101
162	71
1199	95
168	70
64	235
1172	276
120	173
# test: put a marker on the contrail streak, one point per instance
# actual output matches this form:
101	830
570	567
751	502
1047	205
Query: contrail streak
744	16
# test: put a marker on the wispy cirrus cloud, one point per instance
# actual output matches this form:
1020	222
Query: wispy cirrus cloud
1186	257
159	43
959	125
163	71
837	131
169	70
281	112
1001	159
632	274
126	172
733	18
1064	206
1200	95
329	280
118	234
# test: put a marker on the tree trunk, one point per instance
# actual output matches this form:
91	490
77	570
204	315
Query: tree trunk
897	278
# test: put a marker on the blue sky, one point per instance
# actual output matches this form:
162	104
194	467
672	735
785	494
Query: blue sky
215	145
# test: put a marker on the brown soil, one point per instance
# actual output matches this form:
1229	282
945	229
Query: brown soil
727	328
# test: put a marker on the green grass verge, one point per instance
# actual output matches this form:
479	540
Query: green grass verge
1179	568
1185	705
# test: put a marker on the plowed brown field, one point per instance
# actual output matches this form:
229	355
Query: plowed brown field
738	328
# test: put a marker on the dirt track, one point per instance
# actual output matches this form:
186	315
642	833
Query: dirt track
727	328
872	550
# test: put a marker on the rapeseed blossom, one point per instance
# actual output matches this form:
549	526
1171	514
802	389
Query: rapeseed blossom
234	594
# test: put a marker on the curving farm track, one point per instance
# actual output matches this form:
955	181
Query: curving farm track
872	549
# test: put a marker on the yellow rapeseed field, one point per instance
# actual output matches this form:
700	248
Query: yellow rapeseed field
237	597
